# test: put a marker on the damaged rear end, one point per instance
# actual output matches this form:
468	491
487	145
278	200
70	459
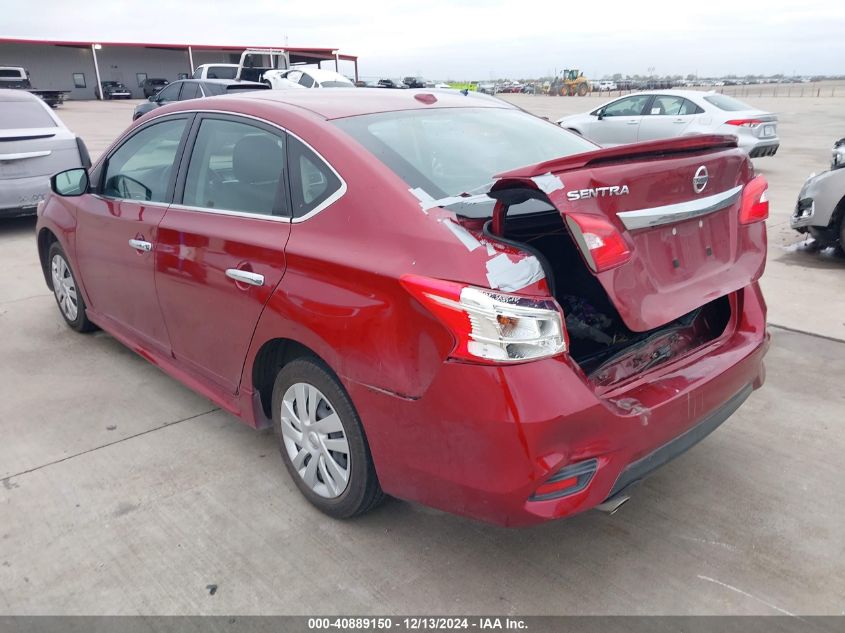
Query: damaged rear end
644	247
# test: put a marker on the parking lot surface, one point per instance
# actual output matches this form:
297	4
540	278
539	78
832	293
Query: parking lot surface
123	492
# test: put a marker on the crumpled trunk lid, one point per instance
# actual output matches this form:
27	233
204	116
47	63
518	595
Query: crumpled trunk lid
687	245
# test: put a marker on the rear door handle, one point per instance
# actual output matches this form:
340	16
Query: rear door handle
141	245
245	277
633	122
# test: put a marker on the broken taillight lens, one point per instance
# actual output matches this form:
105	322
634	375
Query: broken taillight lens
490	326
755	201
602	245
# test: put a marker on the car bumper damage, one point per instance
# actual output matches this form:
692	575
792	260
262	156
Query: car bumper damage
541	441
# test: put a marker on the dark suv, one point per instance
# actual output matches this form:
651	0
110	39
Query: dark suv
153	86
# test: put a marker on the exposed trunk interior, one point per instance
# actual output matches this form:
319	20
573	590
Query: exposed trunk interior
600	342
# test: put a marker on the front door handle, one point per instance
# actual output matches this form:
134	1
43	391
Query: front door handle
633	122
245	277
141	245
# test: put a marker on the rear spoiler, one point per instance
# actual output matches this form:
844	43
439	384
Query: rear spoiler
635	150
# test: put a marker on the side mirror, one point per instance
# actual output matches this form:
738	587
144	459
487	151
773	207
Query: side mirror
600	114
70	183
152	99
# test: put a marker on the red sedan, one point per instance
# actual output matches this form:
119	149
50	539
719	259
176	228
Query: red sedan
430	295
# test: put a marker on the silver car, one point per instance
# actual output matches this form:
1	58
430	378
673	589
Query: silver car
820	209
34	145
658	114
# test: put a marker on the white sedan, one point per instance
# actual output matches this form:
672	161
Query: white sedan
308	78
657	114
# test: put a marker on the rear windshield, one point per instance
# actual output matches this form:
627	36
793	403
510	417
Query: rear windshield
23	114
221	72
459	150
726	103
11	72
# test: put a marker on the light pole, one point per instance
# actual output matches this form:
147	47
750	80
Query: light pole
94	49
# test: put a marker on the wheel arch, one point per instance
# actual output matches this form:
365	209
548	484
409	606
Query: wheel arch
45	239
274	354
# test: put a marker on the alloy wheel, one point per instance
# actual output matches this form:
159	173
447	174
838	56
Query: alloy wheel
315	440
64	287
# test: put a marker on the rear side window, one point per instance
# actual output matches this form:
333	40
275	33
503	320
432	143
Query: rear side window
16	115
729	104
314	184
236	167
141	168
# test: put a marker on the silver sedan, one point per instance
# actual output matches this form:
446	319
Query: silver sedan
658	114
34	145
820	209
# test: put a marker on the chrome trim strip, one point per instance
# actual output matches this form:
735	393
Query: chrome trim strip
337	195
240	214
22	155
670	213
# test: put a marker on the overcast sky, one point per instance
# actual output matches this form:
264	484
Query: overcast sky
475	39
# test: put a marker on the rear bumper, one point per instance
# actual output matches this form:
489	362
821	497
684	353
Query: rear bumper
22	193
763	149
481	439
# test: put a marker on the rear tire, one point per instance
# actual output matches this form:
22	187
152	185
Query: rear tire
322	441
66	291
582	90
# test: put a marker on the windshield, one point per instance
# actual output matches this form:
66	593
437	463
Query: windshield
450	151
15	115
726	103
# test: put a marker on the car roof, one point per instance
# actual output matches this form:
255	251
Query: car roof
346	102
10	94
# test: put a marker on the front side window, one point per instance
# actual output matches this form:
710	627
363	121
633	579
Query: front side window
306	80
236	167
313	183
171	93
190	90
451	151
629	106
141	168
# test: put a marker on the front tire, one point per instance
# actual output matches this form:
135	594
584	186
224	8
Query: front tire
322	441
66	291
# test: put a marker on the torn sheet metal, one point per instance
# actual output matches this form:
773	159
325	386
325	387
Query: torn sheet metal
466	238
548	182
427	202
509	276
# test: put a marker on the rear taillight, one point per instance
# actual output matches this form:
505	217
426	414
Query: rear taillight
744	122
755	201
603	246
490	326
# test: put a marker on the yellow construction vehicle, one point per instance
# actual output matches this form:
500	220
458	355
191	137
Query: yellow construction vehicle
571	82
